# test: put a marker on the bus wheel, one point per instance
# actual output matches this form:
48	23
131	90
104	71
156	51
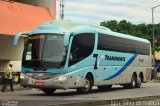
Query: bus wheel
104	88
133	81
49	91
132	84
87	86
138	85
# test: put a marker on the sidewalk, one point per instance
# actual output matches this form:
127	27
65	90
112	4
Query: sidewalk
15	87
154	81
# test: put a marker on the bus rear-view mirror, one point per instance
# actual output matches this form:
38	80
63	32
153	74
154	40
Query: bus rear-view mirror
16	38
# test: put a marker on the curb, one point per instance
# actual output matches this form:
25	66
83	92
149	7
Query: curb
140	101
154	81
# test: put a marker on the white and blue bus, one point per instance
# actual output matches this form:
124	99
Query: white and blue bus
69	55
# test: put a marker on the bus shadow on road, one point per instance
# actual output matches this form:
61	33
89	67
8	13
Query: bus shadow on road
74	92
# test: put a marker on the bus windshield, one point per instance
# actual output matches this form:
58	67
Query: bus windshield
44	51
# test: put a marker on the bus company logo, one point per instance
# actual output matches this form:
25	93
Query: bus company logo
114	58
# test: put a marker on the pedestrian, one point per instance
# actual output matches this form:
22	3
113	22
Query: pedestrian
8	78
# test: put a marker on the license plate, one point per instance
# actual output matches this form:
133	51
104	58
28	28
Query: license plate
30	81
39	83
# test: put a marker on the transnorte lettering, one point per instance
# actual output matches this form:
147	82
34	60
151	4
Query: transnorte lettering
114	58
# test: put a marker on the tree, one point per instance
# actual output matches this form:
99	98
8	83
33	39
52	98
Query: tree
113	24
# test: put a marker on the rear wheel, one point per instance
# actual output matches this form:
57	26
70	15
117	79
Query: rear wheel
87	86
49	91
104	88
133	82
139	82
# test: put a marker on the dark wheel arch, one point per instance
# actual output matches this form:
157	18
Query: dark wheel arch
89	74
140	79
141	76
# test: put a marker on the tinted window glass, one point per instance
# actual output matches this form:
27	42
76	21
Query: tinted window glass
44	51
112	43
82	46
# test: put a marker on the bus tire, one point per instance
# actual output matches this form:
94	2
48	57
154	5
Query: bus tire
49	91
133	81
104	88
87	87
139	82
132	84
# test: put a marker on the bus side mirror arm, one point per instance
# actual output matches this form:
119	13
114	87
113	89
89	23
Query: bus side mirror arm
16	38
95	65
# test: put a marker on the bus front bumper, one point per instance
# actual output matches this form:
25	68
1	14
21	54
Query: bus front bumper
59	82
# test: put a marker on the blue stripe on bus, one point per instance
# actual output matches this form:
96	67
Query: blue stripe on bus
123	68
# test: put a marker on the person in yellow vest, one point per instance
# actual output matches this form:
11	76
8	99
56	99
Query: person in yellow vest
8	78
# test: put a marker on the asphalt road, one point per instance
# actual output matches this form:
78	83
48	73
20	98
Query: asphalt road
36	97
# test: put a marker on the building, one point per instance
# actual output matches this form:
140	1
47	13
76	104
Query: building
17	16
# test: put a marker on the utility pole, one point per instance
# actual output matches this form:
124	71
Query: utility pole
153	37
62	9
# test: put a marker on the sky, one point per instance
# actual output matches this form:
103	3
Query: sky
96	11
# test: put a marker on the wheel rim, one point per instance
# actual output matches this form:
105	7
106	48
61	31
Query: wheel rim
134	82
87	83
87	86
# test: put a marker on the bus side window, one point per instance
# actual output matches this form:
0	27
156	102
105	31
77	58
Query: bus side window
82	46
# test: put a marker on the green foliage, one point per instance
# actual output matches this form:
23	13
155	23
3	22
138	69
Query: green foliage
141	30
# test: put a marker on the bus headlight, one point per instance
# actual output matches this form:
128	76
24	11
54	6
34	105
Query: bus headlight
22	76
61	77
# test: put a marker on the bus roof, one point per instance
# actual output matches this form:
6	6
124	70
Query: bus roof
70	25
64	26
